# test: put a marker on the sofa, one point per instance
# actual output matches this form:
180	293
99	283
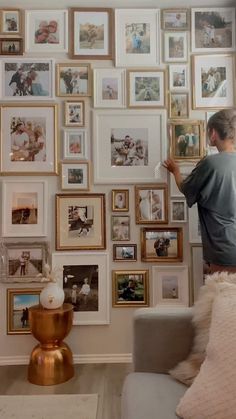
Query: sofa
162	337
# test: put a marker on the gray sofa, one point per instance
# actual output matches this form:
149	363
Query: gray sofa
162	338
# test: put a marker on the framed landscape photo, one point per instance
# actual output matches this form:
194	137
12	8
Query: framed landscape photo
92	33
130	288
120	200
146	89
151	205
178	77
137	37
74	113
80	221
109	88
178	211
122	253
11	21
178	105
29	139
175	47
75	175
187	140
75	144
170	285
161	244
120	227
18	303
175	19
11	46
73	79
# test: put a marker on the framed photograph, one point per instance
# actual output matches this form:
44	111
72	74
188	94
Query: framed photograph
178	77
213	81
109	88
75	175
126	149
46	31
137	37
120	227
24	208
29	139
75	144
178	211
86	284
175	47
170	285
120	200
27	79
18	303
73	79
175	19
178	105
161	244
11	46
11	21
146	89
194	225
151	205
213	29
130	288
74	113
80	222
92	33
187	140
125	253
185	170
25	261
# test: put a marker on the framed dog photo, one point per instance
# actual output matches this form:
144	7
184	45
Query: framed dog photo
130	288
11	21
120	227
74	113
18	303
161	244
109	88
175	47
75	144
125	253
170	285
75	175
73	79
11	46
178	105
151	204
187	140
175	19
146	89
120	200
178	211
178	77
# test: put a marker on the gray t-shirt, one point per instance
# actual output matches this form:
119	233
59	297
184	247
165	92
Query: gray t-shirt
212	185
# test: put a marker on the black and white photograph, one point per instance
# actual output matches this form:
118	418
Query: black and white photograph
80	221
120	200
74	114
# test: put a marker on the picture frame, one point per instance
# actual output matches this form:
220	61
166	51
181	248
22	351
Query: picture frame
175	47
25	261
110	165
175	19
187	139
11	21
137	37
92	33
194	225
151	204
120	200
170	285
162	244
212	72
178	105
73	79
24	208
50	29
178	77
185	170
213	29
125	253
28	139
178	211
130	288
75	175
109	88
11	46
91	304
74	113
120	227
75	144
19	300
146	88
80	221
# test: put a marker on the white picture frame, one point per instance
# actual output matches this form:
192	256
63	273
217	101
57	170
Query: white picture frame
178	77
146	88
108	88
194	225
75	175
60	260
178	211
170	285
75	144
175	49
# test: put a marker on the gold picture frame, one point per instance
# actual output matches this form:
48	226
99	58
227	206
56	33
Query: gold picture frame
13	20
74	115
187	139
73	79
120	200
175	19
162	244
151	204
130	288
75	175
178	105
18	317
125	252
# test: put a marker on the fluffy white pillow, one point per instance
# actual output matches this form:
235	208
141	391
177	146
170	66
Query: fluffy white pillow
213	393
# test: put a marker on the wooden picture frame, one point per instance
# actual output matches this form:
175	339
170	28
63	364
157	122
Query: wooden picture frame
125	253
187	140
75	175
120	227
178	77
175	19
130	288
18	317
178	211
74	113
11	46
170	285
146	88
73	79
151	204
175	47
178	105
162	244
120	200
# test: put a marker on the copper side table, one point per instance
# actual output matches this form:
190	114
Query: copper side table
51	361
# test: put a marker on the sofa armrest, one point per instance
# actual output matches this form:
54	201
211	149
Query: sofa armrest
162	338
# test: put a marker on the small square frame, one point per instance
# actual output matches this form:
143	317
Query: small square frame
120	200
75	175
170	285
123	295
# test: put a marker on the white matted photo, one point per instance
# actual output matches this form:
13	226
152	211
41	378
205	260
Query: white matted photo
194	225
175	47
170	285
178	105
178	211
11	21
75	175
109	88
175	19
75	144
178	77
146	89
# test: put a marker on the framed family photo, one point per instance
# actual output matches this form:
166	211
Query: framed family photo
161	244
175	19
122	253
178	105
130	288
109	88
170	285
175	47
178	77
11	46
18	303
187	140
120	227
75	144
73	79
120	200
75	175
146	89
11	21
74	113
178	211
151	204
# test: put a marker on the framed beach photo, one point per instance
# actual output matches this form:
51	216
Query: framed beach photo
11	46
120	227
137	37
146	89
175	47
75	175
151	205
28	139
109	88
175	19
178	211
130	288
74	113
92	33
73	79
178	105
85	281
161	244
170	285
187	140
18	303
194	225
120	200
178	77
75	144
11	21
122	253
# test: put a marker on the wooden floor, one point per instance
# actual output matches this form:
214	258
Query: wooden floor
104	379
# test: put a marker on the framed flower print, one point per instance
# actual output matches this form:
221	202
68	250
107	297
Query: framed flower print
146	89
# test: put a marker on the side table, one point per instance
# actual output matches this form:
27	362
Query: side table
51	361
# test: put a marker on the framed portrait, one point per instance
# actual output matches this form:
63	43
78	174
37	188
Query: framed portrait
92	33
73	79
178	77
120	200
178	105
170	285
11	21
178	211
11	46
126	149
109	88
151	205
213	29
175	47
130	288
74	113
28	139
213	81
123	253
194	225
46	30
25	261
161	244
187	140
146	89
80	222
120	227
24	208
18	303
185	170
27	79
75	175
75	144
175	19
86	284
137	37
